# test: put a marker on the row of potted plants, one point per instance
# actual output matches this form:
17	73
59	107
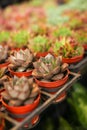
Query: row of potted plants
38	55
21	94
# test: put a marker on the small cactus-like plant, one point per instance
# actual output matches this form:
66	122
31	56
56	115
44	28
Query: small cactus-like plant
39	44
49	68
66	49
62	32
21	60
4	37
20	38
20	91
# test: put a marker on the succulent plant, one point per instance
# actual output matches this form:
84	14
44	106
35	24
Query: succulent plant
49	68
20	91
20	38
75	24
63	31
4	37
3	53
67	50
21	60
81	37
40	44
38	29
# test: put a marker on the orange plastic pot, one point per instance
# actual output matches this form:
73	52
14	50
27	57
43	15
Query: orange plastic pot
53	84
85	46
72	60
21	112
4	64
20	74
41	54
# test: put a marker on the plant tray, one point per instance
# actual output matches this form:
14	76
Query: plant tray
43	105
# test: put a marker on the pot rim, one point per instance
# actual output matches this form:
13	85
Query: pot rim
22	109
20	74
53	84
4	64
73	59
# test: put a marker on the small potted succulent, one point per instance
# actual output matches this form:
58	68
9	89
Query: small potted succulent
40	45
75	24
62	32
19	40
21	63
71	53
21	97
4	53
38	29
50	74
4	38
81	38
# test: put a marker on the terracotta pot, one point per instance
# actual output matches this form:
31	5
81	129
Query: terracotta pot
73	60
19	113
54	84
4	64
20	74
41	54
85	46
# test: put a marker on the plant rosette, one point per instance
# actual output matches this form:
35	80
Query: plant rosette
71	52
81	38
19	40
50	73
4	38
62	32
21	63
21	97
40	46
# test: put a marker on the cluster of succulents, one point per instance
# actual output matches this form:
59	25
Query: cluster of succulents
20	91
20	38
49	68
38	30
62	32
67	50
81	37
4	37
40	44
21	60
